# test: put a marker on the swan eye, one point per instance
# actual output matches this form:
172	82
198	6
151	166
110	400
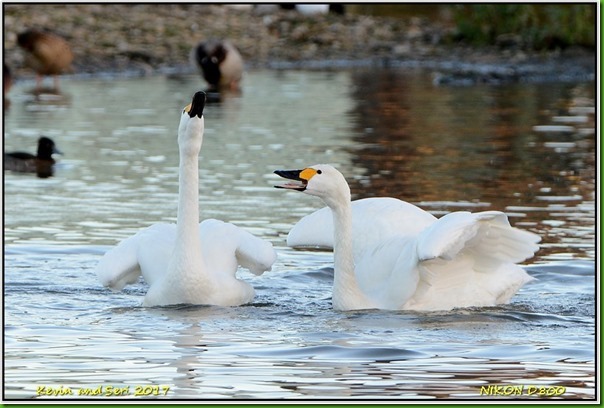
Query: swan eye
319	172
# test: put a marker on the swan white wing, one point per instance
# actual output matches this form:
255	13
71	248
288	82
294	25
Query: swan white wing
145	253
461	260
225	246
255	254
313	230
445	285
487	235
374	220
119	266
469	260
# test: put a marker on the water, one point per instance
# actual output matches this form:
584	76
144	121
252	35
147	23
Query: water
526	149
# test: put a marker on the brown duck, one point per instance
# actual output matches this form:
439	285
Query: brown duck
46	53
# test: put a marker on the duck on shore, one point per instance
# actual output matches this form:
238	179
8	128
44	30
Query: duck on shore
46	53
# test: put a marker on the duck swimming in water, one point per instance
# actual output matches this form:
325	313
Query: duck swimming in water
41	163
220	63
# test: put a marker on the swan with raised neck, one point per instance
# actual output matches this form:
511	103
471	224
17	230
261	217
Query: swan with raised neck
186	268
188	262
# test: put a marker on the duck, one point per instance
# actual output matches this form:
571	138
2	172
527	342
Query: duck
220	63
41	163
392	255
188	262
48	54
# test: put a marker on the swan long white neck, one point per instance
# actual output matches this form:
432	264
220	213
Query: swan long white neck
187	222
346	291
187	259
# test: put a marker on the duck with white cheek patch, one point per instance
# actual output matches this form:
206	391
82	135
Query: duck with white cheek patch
389	254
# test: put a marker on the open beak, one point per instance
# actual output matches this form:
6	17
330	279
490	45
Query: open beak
197	104
297	183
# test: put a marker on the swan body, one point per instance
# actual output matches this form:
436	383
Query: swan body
392	255
190	262
220	63
147	254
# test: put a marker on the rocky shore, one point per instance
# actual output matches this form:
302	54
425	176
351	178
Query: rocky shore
157	38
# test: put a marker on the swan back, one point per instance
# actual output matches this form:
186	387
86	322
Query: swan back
374	220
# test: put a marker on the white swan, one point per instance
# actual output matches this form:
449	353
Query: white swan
460	260
190	262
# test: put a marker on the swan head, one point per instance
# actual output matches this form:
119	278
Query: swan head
321	180
190	130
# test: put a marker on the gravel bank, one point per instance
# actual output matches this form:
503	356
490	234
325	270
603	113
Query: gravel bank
157	38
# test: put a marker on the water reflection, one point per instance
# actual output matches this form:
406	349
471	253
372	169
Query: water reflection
450	145
437	143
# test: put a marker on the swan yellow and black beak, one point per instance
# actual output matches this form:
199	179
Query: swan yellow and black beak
301	176
195	108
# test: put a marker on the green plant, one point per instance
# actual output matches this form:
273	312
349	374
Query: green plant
536	26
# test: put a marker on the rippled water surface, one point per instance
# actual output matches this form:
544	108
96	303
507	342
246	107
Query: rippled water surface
525	149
